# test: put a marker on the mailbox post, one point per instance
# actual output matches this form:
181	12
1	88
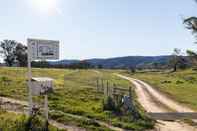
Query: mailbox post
29	82
40	50
46	107
42	86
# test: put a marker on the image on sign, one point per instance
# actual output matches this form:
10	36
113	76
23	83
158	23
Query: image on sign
44	49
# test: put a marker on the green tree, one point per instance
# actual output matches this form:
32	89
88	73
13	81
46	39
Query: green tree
8	49
193	57
155	65
132	69
175	59
100	66
191	23
21	54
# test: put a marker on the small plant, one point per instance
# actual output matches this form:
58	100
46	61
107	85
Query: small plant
166	82
179	82
35	123
5	80
109	104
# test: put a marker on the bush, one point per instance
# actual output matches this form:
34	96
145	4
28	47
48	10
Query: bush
35	123
109	104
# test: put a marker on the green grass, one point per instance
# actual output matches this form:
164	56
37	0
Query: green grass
17	122
75	93
180	85
113	79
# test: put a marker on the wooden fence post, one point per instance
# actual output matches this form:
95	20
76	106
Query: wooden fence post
102	85
130	92
107	88
97	85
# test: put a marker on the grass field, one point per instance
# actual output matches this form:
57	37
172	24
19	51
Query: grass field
75	93
180	85
18	122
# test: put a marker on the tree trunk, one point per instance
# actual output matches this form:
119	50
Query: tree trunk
175	68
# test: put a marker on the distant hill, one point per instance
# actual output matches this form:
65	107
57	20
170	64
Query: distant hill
122	62
130	61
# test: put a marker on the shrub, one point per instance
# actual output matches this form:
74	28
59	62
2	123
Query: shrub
108	104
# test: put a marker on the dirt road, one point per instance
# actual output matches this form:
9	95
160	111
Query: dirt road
155	102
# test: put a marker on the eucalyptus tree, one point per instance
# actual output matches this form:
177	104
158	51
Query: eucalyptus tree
191	24
8	51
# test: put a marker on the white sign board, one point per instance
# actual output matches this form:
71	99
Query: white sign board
43	49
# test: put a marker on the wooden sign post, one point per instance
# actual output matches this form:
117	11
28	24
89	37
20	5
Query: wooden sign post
40	50
29	82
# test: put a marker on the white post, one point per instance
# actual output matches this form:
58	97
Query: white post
29	81
46	107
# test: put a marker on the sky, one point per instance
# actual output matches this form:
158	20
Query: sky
101	28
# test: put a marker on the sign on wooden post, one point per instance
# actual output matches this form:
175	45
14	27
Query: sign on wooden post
43	49
40	50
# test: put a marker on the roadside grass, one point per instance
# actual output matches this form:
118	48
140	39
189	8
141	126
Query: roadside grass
180	86
75	93
112	78
18	122
13	81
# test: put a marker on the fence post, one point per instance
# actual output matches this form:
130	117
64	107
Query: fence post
102	85
130	92
97	85
114	85
107	88
105	91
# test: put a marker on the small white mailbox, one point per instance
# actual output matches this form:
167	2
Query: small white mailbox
41	85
